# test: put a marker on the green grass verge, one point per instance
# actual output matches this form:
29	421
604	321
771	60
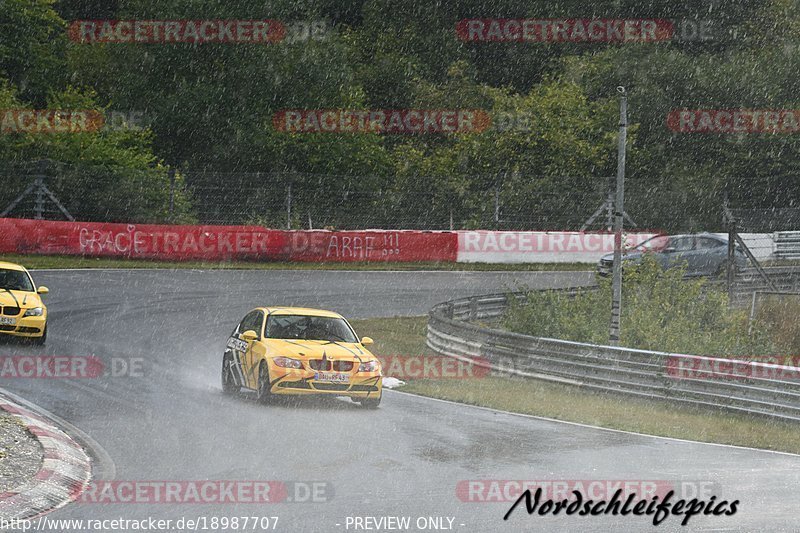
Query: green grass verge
563	402
57	261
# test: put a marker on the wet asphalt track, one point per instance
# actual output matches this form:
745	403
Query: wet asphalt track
403	460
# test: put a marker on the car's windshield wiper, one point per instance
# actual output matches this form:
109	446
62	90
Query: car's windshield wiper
337	337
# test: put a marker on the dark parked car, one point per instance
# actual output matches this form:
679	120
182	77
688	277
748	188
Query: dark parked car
705	254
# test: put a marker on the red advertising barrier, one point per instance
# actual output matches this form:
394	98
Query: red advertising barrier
137	240
371	245
213	243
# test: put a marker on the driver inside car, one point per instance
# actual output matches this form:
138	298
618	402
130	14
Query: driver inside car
316	331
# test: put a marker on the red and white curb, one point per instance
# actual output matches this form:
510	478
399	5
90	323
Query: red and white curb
63	476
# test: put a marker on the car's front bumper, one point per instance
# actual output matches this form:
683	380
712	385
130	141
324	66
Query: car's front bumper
27	326
296	382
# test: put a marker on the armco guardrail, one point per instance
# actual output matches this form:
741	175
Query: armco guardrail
784	279
787	244
761	390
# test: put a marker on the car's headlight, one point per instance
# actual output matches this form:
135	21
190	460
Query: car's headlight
369	366
285	362
34	311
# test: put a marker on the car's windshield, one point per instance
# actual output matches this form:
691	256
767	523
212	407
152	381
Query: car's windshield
319	328
15	280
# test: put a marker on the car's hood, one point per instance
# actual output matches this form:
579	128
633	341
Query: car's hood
19	299
302	349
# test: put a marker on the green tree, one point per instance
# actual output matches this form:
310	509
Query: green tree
32	47
109	175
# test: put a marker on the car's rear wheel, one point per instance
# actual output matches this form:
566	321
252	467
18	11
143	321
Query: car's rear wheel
229	385
264	393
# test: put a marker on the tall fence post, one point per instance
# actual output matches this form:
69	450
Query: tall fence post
619	213
496	204
731	261
38	208
171	174
289	205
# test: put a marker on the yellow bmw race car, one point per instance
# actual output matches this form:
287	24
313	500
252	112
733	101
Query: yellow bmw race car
22	312
294	350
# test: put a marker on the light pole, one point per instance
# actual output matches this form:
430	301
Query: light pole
619	210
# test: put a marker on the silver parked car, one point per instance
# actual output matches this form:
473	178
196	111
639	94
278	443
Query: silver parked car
705	254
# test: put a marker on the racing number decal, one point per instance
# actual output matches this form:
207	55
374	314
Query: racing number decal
250	359
237	344
251	379
239	347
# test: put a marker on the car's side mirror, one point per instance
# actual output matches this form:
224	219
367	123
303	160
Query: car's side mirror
42	290
366	341
249	335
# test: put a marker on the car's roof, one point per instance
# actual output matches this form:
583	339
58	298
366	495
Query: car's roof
717	236
306	311
11	266
708	234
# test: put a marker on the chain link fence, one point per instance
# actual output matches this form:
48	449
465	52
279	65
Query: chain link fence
299	200
770	232
502	201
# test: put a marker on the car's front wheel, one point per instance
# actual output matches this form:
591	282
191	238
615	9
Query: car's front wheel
371	403
264	393
229	385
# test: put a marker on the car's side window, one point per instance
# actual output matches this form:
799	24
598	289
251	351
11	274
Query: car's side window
704	243
253	321
260	324
682	244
